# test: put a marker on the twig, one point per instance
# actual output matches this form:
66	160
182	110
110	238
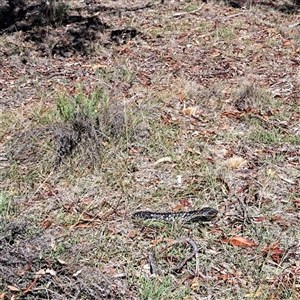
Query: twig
188	12
244	210
152	263
194	253
286	179
294	25
32	283
112	210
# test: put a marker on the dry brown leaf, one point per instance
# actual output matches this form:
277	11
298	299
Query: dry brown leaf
287	43
235	162
132	233
189	111
178	207
296	201
240	241
274	249
46	224
2	296
186	202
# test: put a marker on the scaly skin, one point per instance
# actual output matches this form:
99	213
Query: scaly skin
195	216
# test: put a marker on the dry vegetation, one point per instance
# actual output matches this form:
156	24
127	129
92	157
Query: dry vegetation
109	107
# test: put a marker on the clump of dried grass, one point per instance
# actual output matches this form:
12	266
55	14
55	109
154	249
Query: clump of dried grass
89	122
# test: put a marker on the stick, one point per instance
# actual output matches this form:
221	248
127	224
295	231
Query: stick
194	253
152	263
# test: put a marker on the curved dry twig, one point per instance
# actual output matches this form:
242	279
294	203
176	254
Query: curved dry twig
179	267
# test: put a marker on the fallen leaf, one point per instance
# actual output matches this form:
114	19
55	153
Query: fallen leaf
240	241
258	219
287	43
51	272
62	262
21	272
178	207
216	53
224	127
280	221
274	251
166	119
245	187
180	97
133	151
53	245
95	67
296	201
186	202
40	272
210	159
132	233
235	162
46	224
2	296
271	172
231	113
189	111
195	68
13	288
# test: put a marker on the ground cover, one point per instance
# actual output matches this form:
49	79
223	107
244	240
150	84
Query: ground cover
114	107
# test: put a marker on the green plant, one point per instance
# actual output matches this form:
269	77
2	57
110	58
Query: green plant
7	205
155	289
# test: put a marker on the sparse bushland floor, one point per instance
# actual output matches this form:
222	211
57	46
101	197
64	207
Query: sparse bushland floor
113	108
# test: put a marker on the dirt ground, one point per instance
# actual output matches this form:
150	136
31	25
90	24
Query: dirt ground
112	107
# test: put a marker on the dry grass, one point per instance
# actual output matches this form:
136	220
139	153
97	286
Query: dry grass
211	97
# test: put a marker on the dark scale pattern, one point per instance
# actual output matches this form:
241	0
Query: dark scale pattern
204	215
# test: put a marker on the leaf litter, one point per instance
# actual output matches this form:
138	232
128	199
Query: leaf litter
231	135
